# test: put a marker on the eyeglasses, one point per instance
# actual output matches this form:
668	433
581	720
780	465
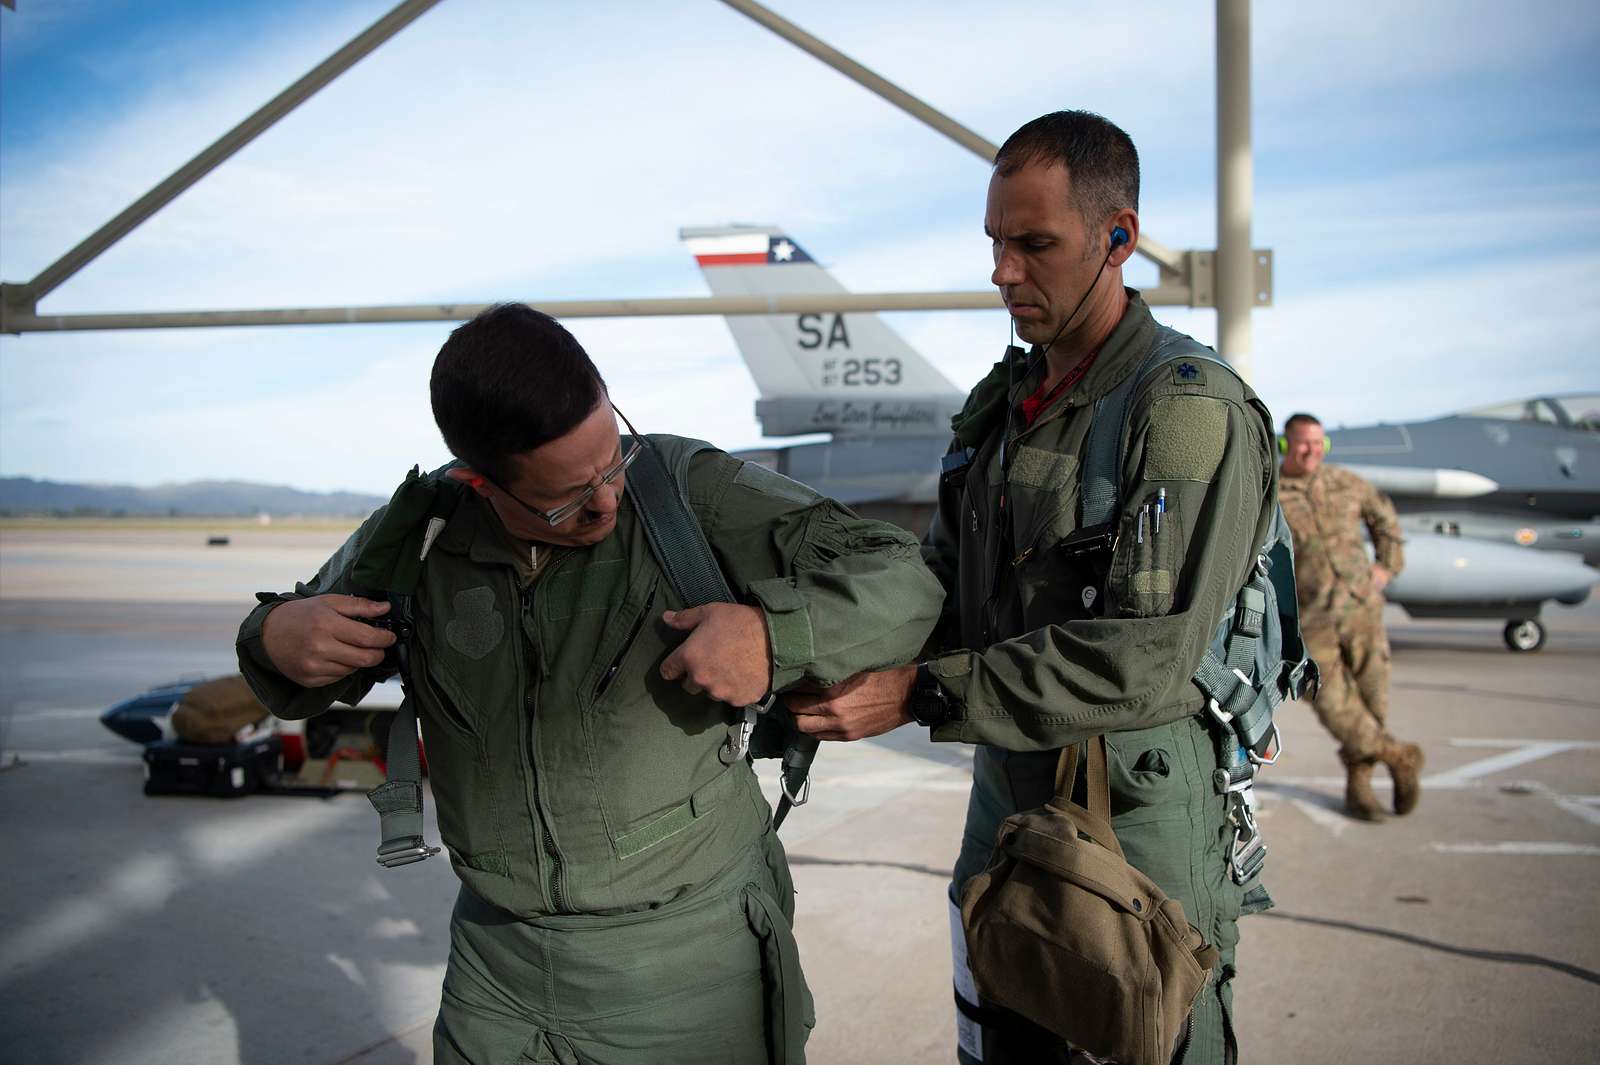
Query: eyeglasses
568	509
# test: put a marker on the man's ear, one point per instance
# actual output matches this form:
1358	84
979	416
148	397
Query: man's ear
469	477
1128	220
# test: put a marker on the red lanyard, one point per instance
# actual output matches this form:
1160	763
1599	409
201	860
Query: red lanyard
1036	403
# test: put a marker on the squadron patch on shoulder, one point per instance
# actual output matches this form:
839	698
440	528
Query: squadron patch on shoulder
758	478
1188	372
1186	439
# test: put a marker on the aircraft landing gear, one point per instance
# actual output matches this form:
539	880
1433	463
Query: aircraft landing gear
1524	635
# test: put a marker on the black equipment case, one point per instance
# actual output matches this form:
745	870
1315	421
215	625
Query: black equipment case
173	767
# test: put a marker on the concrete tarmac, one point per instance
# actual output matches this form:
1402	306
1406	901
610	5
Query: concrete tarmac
259	931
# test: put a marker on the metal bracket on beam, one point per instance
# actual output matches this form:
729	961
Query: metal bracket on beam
17	303
1263	267
1201	266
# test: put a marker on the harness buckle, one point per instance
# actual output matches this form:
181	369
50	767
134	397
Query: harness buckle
413	851
1276	747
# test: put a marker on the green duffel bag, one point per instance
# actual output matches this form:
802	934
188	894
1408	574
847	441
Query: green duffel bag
1062	930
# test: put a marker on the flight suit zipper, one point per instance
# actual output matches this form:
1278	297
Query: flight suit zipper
546	838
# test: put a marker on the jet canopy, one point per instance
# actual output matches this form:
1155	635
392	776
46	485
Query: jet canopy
1568	412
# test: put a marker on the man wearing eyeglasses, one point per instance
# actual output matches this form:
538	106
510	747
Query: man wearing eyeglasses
624	899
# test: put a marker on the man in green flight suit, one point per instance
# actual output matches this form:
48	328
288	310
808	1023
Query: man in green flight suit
1042	646
624	898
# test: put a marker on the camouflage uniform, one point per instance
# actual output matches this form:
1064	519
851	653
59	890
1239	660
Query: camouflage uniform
1341	613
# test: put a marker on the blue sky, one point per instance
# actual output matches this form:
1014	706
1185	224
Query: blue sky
1428	176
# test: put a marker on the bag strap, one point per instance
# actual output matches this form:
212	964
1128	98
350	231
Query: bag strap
684	555
1097	780
390	563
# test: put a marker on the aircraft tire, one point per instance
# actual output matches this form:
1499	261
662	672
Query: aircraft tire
1524	635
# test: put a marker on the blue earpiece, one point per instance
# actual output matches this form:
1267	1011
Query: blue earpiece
1119	237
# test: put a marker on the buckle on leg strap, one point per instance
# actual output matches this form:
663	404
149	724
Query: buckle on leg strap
404	851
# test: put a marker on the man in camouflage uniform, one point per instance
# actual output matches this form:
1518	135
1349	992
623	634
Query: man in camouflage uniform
624	898
1341	611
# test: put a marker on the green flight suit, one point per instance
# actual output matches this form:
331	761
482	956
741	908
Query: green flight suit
625	901
1039	661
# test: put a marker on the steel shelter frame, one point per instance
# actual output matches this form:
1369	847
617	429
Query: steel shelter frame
1234	278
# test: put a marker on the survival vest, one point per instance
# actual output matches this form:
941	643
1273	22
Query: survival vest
1257	658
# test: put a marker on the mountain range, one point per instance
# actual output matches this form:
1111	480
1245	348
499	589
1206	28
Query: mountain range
24	495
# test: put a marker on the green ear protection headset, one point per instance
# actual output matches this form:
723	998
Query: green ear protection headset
1283	445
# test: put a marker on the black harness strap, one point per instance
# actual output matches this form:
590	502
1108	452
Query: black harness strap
681	550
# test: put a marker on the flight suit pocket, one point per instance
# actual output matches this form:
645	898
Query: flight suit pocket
1149	556
1044	492
465	795
1144	773
791	1012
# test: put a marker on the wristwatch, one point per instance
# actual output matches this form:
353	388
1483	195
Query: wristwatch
931	705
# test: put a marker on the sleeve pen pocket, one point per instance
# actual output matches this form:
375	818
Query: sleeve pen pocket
1144	573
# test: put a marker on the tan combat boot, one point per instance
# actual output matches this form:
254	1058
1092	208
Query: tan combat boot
1405	765
1359	802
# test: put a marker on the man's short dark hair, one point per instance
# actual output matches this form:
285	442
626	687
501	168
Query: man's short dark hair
1299	419
1100	159
510	380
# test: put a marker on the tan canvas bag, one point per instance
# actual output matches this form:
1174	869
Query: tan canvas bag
214	711
1062	930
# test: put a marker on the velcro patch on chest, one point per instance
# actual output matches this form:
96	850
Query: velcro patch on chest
1038	467
475	626
1186	439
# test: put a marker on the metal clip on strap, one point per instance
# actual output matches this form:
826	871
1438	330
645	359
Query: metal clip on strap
1248	852
737	745
796	761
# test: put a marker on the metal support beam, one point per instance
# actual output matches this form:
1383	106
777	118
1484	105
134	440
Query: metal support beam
867	79
229	143
1169	261
821	303
19	302
1236	286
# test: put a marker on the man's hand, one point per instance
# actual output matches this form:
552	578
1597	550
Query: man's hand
867	704
726	655
317	641
1380	577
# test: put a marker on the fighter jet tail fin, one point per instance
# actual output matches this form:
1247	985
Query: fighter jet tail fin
846	374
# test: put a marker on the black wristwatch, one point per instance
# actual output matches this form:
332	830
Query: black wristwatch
931	705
